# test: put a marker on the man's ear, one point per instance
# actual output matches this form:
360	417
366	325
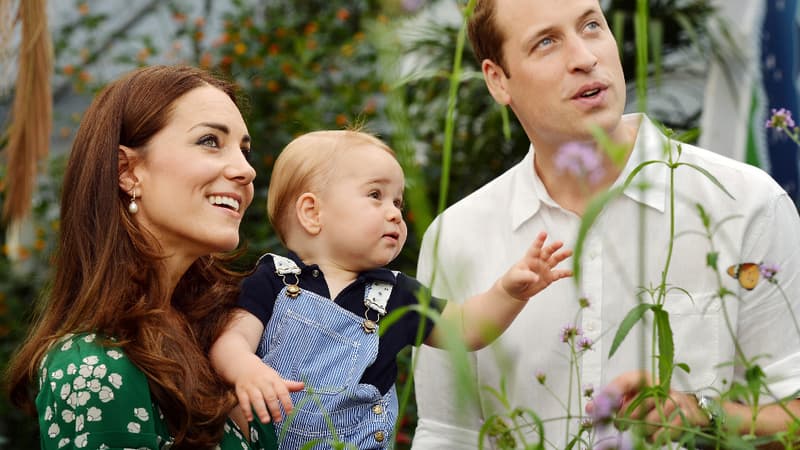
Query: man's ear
127	158
307	209
496	81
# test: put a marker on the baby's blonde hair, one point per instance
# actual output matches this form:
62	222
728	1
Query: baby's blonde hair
304	165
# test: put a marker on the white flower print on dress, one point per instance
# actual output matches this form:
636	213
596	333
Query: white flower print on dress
71	369
86	370
134	427
89	337
66	345
65	391
79	383
48	413
141	414
115	379
100	371
95	386
81	440
94	414
91	360
53	430
58	374
68	415
83	397
63	442
105	394
114	354
72	400
79	423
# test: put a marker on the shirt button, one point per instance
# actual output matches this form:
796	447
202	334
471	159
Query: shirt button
379	436
315	273
377	409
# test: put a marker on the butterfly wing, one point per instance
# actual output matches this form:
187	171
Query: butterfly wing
747	274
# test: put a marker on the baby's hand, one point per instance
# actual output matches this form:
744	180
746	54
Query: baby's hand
536	270
262	389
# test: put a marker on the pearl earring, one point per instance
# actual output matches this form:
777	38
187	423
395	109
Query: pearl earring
133	208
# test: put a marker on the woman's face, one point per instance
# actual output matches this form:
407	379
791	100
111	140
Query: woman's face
194	182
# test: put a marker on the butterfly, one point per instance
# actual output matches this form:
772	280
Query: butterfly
748	274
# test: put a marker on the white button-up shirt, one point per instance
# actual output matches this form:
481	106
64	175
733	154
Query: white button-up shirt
624	254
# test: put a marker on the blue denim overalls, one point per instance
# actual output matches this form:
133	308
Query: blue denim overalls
312	339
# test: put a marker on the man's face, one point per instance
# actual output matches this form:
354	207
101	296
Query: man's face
564	71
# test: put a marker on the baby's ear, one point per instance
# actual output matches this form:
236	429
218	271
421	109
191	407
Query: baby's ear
307	209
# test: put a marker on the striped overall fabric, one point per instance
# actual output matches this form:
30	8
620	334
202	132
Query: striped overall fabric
312	339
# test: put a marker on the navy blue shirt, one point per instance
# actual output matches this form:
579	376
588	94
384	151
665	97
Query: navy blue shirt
261	289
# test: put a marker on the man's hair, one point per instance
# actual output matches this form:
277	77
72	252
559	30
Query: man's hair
484	34
305	165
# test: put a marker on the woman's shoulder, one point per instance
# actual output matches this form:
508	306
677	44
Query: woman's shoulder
87	356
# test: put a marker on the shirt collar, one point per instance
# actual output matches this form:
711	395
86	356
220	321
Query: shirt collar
528	192
650	145
379	274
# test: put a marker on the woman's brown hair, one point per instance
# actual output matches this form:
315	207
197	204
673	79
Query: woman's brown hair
108	272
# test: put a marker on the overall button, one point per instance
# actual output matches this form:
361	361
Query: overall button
379	436
315	273
377	409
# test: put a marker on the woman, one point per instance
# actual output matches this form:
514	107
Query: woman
156	183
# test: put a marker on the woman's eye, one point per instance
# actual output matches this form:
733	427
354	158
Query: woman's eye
209	141
592	26
247	152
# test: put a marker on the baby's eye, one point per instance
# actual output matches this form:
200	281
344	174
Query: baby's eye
209	140
374	194
399	203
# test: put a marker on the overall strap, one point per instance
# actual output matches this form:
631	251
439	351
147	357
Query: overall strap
285	266
377	294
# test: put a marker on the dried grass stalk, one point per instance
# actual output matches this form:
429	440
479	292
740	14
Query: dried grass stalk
32	111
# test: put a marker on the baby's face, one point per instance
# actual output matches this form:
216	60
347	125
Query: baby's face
361	208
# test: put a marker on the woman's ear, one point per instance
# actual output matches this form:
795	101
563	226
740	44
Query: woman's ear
127	158
307	209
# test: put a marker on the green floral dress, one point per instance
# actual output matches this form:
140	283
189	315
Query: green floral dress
93	397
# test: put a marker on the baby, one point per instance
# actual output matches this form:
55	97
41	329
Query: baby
307	335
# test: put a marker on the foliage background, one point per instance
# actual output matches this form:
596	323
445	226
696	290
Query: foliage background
303	66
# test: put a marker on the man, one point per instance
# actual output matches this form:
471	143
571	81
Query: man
556	64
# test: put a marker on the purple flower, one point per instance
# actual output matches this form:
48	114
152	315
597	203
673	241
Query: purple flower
412	5
604	405
768	271
781	119
581	160
585	343
569	331
541	377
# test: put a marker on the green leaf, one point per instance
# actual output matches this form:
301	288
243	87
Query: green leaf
711	259
628	322
708	175
666	347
